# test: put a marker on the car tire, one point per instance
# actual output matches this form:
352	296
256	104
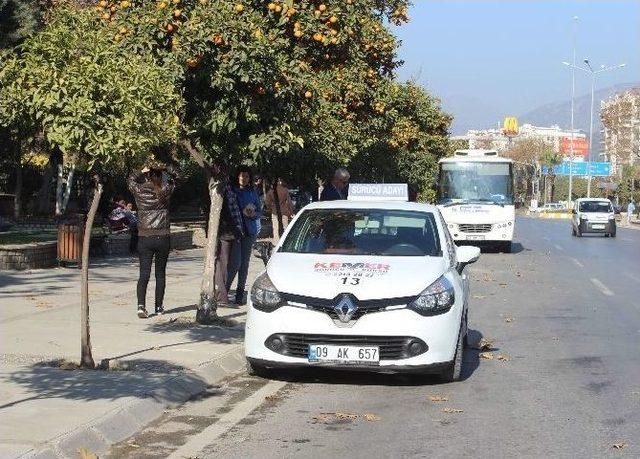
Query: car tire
578	233
254	369
454	368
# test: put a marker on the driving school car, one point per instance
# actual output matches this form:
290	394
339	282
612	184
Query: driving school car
365	284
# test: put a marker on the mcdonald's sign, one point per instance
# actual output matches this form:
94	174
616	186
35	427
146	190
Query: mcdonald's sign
510	126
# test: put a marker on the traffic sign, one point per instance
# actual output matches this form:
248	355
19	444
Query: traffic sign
580	168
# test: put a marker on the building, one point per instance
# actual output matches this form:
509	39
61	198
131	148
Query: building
558	138
620	115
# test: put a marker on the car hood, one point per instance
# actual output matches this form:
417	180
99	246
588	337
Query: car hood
326	276
597	216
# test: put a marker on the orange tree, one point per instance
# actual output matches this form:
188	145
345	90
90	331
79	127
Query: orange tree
100	106
261	80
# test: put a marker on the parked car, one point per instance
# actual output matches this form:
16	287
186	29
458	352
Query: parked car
551	207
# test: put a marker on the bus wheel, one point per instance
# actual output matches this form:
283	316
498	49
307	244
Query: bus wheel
505	247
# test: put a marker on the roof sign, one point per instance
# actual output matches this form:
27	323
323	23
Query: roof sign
378	192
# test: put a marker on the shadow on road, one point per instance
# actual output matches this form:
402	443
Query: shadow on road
47	381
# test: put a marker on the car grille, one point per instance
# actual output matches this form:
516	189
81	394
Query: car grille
391	347
364	307
475	228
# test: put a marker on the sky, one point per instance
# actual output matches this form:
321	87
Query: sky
490	59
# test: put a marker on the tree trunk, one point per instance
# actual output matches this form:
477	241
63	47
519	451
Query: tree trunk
86	359
207	306
63	188
45	191
207	303
276	203
553	188
17	199
68	188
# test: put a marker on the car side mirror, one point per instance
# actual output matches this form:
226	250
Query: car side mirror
466	255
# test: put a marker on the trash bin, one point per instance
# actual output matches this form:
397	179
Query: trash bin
70	235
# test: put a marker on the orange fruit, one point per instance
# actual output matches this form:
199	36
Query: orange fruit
278	8
297	34
170	28
162	5
308	95
322	8
104	3
271	6
333	19
106	16
177	13
238	8
318	36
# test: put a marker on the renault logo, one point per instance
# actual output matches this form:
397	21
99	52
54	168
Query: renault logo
345	309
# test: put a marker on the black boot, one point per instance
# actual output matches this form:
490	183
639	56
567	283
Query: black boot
240	298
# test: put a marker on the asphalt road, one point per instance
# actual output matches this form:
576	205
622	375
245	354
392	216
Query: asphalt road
563	317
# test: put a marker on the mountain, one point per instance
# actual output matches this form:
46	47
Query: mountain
560	112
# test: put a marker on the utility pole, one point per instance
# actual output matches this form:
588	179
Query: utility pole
573	95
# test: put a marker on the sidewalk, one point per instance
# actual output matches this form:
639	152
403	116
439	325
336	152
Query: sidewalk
165	359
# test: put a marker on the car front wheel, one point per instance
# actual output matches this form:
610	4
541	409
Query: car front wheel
454	369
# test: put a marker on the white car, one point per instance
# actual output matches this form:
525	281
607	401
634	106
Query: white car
368	285
551	207
593	215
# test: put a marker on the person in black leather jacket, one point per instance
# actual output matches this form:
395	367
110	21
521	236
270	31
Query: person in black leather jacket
152	188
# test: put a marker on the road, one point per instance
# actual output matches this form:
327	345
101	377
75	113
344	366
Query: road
563	317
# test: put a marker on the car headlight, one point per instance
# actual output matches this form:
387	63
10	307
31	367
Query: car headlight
583	217
435	299
264	296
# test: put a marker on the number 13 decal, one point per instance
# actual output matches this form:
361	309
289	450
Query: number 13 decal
350	280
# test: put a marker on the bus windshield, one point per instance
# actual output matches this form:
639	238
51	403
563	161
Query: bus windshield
476	182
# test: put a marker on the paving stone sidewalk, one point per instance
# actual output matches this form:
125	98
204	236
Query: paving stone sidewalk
47	411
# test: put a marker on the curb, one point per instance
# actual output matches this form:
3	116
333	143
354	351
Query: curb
120	423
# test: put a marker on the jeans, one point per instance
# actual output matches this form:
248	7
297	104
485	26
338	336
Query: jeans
148	247
239	263
223	254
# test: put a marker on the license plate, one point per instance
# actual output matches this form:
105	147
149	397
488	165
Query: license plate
597	226
344	354
475	237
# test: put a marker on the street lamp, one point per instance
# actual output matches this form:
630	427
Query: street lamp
573	95
593	73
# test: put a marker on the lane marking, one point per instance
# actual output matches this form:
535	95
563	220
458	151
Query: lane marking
603	288
578	264
200	441
558	247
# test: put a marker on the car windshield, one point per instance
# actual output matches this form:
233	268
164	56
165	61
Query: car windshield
476	182
364	232
595	206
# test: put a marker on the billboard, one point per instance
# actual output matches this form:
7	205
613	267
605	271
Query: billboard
510	126
580	146
581	168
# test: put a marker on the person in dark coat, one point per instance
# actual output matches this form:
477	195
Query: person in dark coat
152	188
338	188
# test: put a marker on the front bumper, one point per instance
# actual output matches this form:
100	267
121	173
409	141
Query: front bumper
587	226
478	233
440	333
433	368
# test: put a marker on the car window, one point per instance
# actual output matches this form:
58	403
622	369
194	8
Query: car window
595	206
364	232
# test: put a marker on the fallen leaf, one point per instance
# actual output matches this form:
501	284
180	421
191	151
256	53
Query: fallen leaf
371	417
518	274
86	454
508	320
483	345
438	398
486	355
452	410
133	445
619	445
502	284
340	415
479	297
503	358
322	418
272	398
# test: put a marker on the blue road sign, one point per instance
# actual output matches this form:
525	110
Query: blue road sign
580	168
